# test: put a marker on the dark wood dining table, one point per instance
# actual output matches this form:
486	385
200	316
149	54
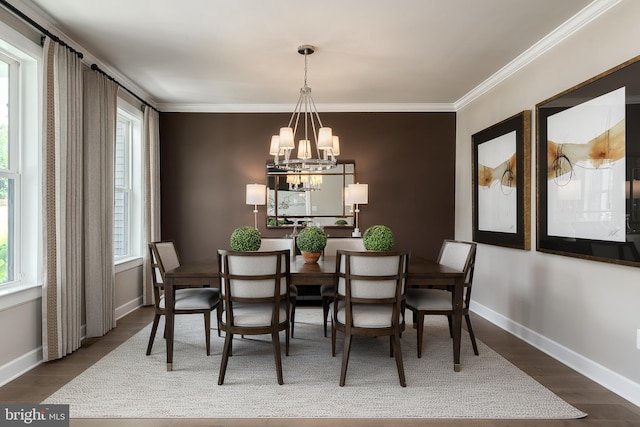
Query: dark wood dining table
422	272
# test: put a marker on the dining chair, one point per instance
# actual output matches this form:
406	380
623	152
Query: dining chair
254	289
439	300
368	303
328	291
278	244
163	256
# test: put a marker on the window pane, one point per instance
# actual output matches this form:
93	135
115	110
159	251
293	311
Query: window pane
121	224
4	115
121	154
6	229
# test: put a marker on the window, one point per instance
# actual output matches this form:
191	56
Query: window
20	195
127	232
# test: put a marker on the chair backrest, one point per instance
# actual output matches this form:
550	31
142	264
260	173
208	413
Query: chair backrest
254	276
365	276
345	243
458	255
278	244
163	257
461	256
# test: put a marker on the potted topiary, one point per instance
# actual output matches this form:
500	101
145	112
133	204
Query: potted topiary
246	238
311	241
378	238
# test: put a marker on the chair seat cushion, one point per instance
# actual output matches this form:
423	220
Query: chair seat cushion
195	299
429	299
366	315
293	291
254	314
327	290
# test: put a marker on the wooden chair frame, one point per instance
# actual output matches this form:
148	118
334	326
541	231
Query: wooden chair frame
228	300
348	328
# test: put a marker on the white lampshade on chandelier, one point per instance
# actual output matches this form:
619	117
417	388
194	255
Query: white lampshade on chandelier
314	154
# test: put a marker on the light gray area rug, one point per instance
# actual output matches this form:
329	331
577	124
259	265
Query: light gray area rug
128	384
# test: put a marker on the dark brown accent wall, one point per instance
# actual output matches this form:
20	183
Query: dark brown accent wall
408	160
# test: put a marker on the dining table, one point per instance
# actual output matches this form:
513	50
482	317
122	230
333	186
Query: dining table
422	272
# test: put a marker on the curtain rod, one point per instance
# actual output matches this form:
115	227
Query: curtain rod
39	27
95	67
57	39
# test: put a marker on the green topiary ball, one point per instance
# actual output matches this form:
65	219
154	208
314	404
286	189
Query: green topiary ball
311	239
378	238
246	238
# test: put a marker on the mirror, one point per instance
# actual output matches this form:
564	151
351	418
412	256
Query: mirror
295	199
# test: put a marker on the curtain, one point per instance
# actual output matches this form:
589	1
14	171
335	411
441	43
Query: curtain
151	194
62	156
100	112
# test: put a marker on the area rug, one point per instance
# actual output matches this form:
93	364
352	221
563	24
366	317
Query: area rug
128	384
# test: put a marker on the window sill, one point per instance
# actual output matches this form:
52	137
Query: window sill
127	263
14	295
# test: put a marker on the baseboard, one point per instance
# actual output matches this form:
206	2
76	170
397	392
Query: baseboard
19	366
28	361
607	378
127	308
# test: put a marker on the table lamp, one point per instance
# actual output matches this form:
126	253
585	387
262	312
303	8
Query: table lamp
256	195
357	194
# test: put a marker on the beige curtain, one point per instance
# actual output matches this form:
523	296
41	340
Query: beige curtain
100	111
151	194
62	201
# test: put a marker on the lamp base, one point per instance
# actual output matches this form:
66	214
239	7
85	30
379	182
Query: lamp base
356	233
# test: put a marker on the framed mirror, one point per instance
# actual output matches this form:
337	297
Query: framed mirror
297	198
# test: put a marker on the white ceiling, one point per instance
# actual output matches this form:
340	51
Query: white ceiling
241	55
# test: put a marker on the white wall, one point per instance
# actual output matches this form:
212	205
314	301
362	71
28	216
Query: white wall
584	313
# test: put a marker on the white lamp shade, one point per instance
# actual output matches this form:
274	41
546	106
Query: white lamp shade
304	149
357	194
325	138
286	139
336	145
256	194
274	148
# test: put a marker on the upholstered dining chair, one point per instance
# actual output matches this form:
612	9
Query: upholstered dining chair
439	300
254	289
278	244
368	302
328	291
163	256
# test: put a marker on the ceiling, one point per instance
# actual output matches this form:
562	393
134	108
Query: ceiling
241	55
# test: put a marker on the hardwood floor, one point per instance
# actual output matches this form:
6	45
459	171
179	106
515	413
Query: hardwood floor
605	408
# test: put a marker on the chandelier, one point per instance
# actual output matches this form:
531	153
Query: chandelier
311	156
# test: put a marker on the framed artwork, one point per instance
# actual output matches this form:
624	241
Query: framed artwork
502	183
588	151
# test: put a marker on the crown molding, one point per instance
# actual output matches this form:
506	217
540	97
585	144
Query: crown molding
573	24
287	108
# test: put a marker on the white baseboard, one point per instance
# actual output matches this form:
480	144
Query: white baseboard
19	366
23	364
127	308
607	378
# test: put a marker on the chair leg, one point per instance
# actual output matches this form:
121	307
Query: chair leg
395	340
325	312
420	328
450	326
207	331
473	337
293	315
333	339
225	357
345	359
219	317
275	339
154	328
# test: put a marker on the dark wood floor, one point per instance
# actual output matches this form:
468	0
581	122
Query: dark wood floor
605	408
